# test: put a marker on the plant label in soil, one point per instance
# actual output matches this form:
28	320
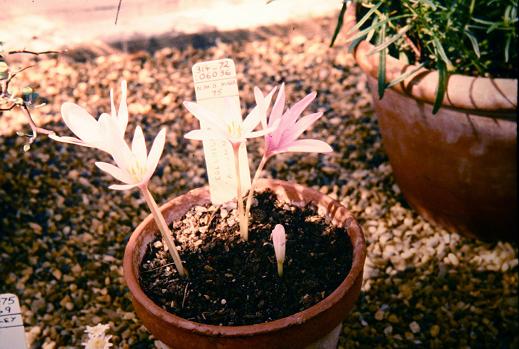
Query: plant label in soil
216	89
12	334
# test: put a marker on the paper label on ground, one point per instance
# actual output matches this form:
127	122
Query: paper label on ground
12	334
214	82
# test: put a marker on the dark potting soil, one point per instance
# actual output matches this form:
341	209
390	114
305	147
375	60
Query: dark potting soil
235	282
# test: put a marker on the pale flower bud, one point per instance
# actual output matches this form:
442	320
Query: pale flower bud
279	239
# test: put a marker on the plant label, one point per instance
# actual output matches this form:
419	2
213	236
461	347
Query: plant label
216	89
12	334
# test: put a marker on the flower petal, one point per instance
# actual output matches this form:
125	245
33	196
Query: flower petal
253	119
295	111
80	122
122	114
155	153
262	104
208	118
115	172
305	146
71	140
116	145
123	186
139	145
202	135
279	105
113	112
260	132
301	126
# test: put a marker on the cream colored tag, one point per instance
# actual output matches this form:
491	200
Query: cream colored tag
214	82
12	334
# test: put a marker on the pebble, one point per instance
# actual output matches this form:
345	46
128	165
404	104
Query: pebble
415	327
379	315
435	330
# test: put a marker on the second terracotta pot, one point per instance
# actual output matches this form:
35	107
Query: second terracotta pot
457	168
295	331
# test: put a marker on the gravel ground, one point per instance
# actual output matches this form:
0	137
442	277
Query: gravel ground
63	232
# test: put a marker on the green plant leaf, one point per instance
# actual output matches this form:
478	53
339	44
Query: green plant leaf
372	31
507	48
471	7
382	64
439	49
365	32
405	75
363	19
355	43
340	21
389	41
474	42
442	86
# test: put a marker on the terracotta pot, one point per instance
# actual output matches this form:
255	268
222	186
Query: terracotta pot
295	331
457	168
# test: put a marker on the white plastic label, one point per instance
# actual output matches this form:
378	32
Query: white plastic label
214	82
12	334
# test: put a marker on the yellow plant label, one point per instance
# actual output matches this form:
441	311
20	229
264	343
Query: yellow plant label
215	81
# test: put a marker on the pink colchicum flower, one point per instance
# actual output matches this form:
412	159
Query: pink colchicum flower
279	240
88	130
284	138
287	129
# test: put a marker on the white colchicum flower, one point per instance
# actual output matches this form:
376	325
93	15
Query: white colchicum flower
134	166
90	131
97	330
97	339
279	240
229	126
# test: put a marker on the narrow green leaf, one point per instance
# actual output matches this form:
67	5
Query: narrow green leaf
340	21
363	19
365	32
382	63
506	17
439	49
354	44
474	42
372	31
442	86
482	21
389	41
405	76
493	27
471	8
507	48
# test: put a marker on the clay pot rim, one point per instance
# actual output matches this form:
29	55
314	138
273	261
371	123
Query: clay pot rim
471	93
359	255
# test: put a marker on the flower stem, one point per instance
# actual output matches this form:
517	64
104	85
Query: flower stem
251	191
244	231
280	269
167	236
